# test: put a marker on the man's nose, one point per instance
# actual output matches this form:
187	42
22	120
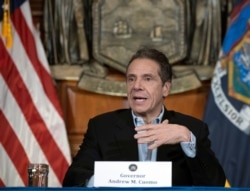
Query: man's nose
137	84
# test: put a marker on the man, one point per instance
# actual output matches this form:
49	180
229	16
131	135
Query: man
148	131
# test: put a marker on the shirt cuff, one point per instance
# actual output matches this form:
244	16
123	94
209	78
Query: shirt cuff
90	182
189	148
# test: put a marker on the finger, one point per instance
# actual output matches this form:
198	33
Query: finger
165	121
144	140
145	127
138	135
143	134
154	145
141	128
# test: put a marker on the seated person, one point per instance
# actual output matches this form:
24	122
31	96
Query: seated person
148	131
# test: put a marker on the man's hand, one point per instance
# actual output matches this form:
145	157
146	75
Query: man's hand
163	133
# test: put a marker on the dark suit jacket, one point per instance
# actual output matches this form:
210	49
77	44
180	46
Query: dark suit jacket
110	137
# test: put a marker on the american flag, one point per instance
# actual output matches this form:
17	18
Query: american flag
32	129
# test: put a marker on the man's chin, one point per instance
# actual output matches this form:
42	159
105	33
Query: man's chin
140	112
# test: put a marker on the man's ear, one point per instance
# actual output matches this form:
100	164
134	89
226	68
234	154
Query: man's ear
166	89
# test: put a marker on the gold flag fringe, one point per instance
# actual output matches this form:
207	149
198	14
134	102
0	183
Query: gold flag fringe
6	24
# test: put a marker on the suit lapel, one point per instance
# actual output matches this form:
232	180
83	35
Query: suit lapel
125	135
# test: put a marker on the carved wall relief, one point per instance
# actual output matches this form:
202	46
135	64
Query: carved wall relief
121	27
188	32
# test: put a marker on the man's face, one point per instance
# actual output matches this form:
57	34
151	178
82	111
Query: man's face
145	89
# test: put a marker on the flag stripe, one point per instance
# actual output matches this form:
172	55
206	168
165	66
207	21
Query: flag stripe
23	133
9	139
27	67
1	183
29	106
35	121
13	178
23	30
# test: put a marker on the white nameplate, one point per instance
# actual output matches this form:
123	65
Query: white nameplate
133	174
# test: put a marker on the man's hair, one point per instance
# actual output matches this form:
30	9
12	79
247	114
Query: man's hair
165	69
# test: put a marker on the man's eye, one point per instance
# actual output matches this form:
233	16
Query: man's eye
130	79
148	78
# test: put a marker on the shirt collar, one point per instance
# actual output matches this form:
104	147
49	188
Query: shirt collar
139	121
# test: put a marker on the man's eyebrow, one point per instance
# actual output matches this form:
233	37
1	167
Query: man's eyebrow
143	75
148	75
131	75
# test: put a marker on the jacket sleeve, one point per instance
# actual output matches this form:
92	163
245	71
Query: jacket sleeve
82	166
205	168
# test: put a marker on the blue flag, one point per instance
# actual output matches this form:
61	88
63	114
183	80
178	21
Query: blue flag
228	107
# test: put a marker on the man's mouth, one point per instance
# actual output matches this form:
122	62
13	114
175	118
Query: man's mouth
140	99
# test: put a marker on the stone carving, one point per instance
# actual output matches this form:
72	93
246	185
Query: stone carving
188	32
65	36
121	27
